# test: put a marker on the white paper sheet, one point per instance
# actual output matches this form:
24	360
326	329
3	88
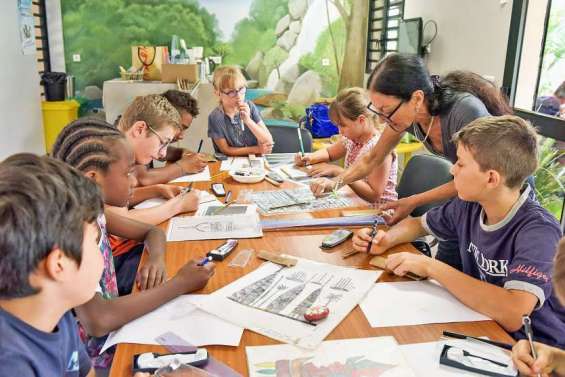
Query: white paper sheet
271	300
181	317
414	303
424	357
218	208
204	196
203	176
348	357
214	227
235	163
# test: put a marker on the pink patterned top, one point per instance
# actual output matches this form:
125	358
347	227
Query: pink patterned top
356	150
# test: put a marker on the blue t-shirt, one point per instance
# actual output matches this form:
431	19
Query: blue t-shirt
221	126
27	351
517	253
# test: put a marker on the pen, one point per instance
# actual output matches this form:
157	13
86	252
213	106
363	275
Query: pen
200	145
187	189
373	234
204	261
228	197
527	322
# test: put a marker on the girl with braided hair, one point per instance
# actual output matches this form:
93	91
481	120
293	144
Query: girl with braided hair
102	153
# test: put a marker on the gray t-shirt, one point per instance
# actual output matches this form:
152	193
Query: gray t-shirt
464	110
221	126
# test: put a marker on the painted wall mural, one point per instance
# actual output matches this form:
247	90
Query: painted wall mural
305	49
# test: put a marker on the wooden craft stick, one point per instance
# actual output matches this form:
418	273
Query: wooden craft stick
380	262
349	253
283	260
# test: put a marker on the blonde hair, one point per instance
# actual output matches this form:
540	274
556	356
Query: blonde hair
154	110
507	144
228	77
559	271
350	104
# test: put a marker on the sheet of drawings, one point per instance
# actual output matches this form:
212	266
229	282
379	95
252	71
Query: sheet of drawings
236	163
334	358
277	159
214	227
272	299
295	200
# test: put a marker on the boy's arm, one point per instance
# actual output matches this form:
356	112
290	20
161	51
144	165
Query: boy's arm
100	316
505	306
155	191
189	164
153	272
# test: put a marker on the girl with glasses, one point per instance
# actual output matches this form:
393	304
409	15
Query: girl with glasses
235	126
360	132
407	99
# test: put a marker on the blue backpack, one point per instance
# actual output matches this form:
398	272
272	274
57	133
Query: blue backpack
318	121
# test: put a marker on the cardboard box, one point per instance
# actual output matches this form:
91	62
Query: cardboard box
170	72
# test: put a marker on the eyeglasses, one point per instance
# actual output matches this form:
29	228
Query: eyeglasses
384	117
235	92
164	144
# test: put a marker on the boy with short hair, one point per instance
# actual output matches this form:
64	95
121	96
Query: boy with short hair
49	263
506	240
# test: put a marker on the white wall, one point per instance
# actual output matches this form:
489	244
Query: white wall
472	34
20	104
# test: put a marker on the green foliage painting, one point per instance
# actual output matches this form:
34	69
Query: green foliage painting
102	31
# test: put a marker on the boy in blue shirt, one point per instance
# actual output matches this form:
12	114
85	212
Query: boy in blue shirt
506	240
49	263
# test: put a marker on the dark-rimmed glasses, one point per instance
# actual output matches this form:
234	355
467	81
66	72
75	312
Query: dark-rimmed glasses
235	92
384	117
163	144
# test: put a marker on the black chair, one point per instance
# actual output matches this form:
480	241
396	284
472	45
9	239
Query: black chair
287	141
422	173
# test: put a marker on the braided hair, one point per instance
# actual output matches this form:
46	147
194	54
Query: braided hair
86	144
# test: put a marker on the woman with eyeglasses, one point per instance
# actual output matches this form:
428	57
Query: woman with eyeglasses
407	99
235	126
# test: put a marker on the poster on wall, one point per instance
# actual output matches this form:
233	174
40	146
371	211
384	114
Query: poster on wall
27	31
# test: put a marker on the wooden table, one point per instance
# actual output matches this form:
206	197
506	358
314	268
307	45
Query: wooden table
303	243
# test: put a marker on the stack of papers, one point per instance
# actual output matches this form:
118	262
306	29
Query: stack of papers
181	317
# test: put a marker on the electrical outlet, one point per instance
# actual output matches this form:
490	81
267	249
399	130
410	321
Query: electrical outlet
325	61
76	58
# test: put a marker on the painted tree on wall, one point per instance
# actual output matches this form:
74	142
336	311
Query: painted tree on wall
102	31
356	20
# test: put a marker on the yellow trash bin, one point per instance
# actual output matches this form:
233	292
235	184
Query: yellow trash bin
56	115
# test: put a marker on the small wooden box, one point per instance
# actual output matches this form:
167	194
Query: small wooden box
170	72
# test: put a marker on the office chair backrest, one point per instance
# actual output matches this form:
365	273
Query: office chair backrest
287	141
422	173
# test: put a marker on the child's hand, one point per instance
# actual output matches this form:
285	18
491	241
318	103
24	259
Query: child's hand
168	191
362	238
401	263
320	186
193	163
265	148
325	170
544	364
302	160
152	274
187	202
244	112
402	208
194	277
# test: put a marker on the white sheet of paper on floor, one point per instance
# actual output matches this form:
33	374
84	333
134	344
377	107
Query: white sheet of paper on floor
272	299
181	317
203	176
214	227
349	357
414	303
